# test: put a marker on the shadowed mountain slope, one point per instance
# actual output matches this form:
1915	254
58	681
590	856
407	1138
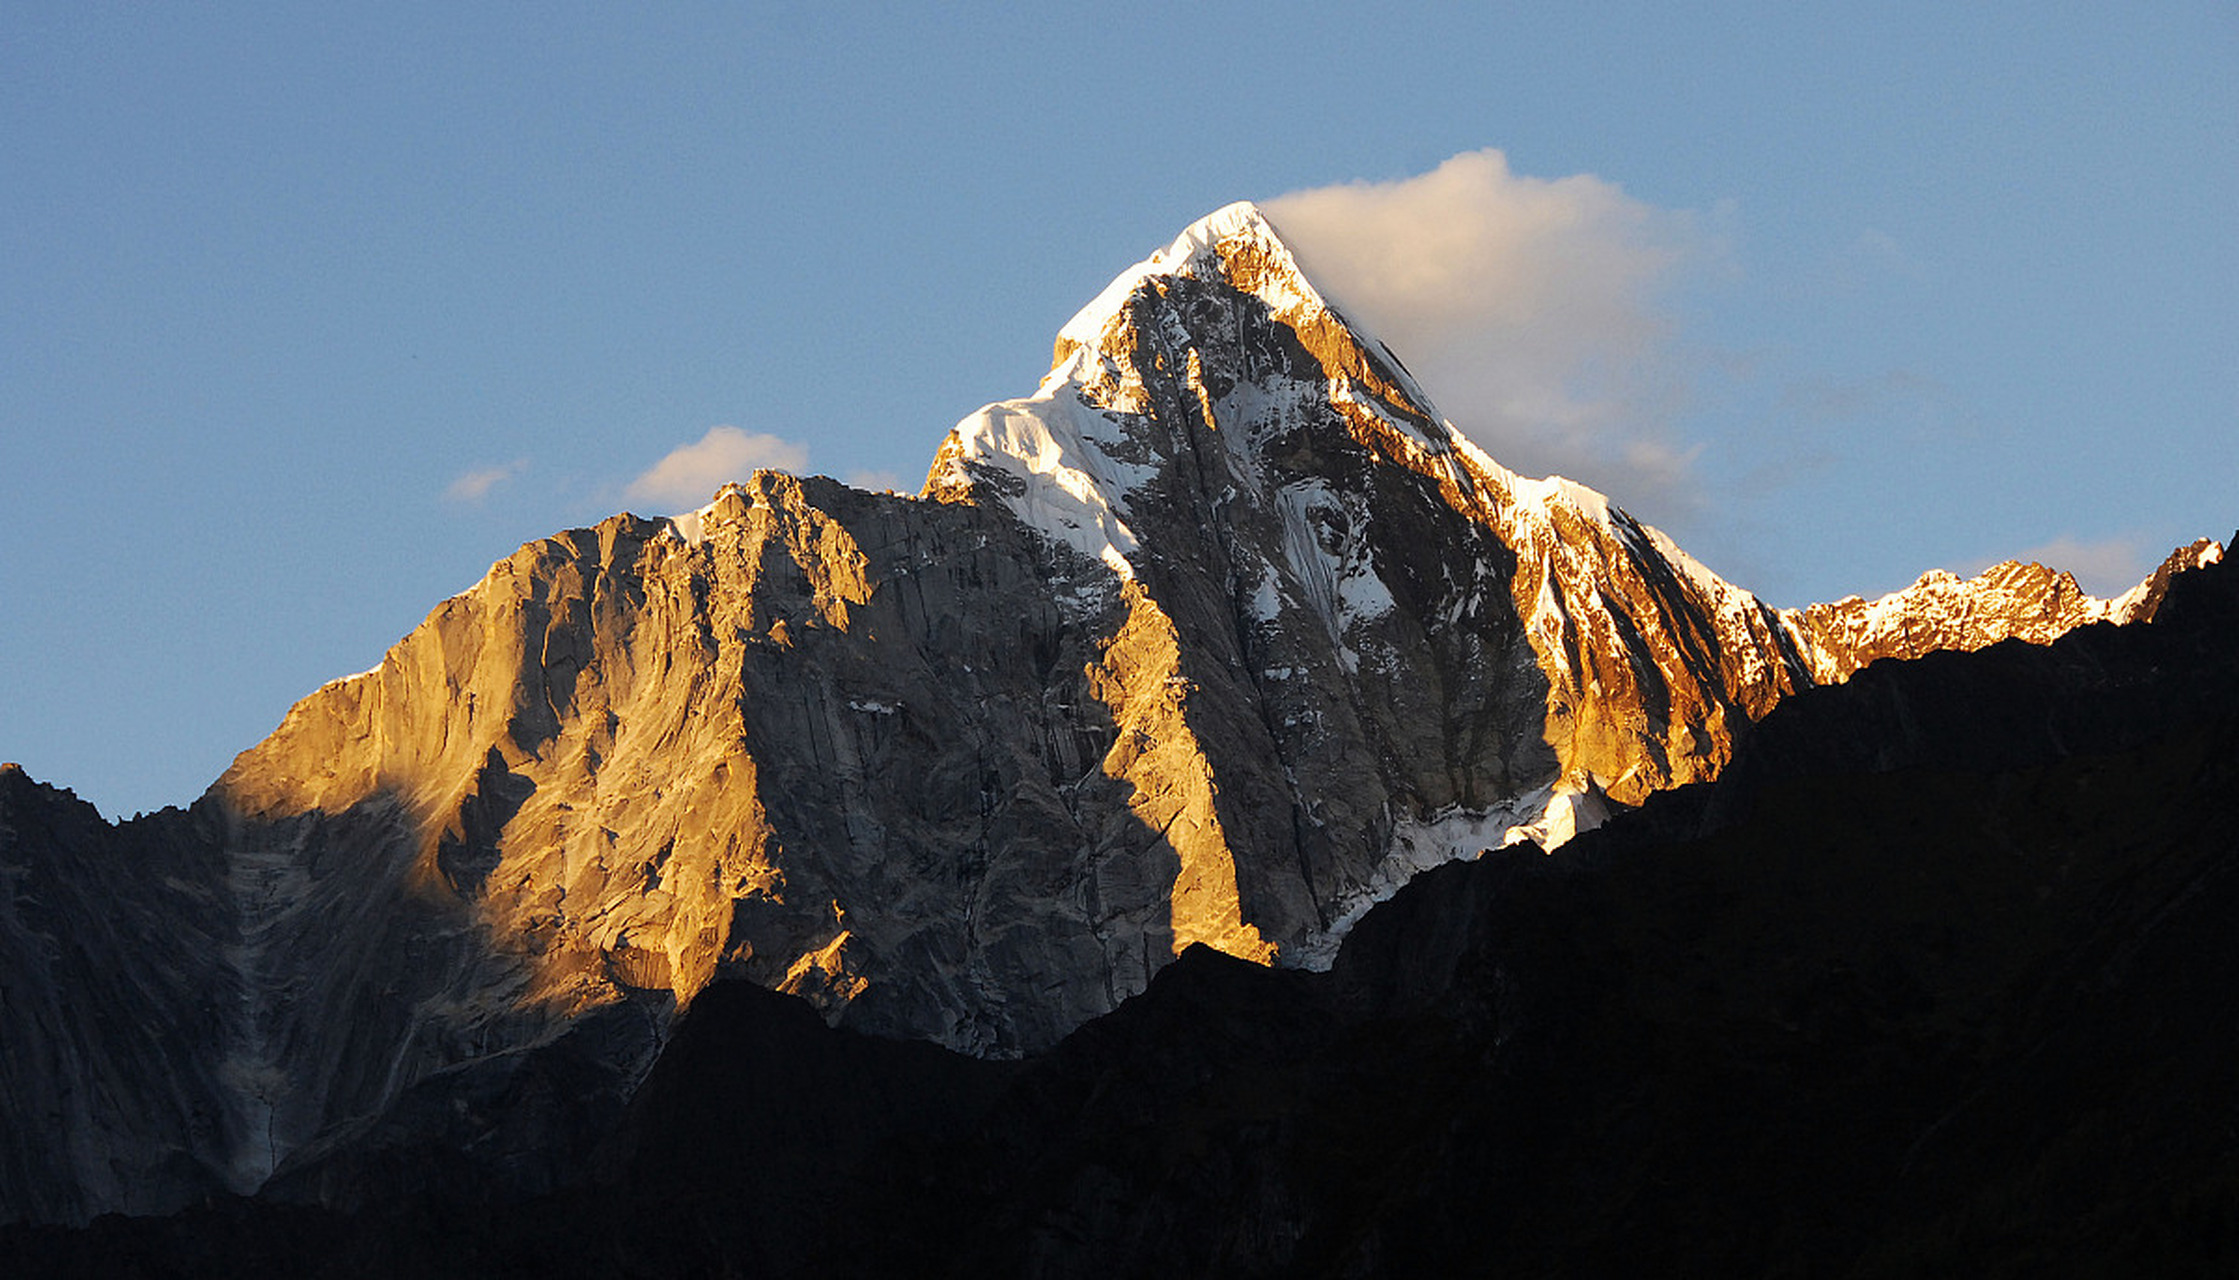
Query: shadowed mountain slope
1220	637
1933	981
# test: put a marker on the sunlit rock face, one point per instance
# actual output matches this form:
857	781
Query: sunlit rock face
1775	1023
1219	637
2012	600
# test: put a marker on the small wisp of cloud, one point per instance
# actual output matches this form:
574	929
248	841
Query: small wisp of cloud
473	486
690	474
1530	309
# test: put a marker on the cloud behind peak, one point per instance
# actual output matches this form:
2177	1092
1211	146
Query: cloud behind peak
1529	308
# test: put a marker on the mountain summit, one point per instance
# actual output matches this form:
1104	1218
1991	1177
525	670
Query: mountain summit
1220	636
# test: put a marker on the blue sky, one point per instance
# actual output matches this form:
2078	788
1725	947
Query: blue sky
312	312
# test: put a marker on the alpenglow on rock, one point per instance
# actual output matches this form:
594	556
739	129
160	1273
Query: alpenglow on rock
1217	637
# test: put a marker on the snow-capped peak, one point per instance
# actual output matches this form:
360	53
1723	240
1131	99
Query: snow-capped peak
1064	459
1196	252
1239	245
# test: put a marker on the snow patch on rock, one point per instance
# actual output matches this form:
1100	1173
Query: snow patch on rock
1056	451
1574	807
1417	844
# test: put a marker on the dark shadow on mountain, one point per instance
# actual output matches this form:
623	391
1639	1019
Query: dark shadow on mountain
1936	983
114	986
467	854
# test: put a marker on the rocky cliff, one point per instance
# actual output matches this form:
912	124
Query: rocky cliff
1219	637
1933	980
119	994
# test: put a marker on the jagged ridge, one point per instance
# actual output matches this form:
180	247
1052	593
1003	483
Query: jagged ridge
1219	637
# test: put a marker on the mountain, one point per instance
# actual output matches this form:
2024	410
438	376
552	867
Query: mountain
1218	638
1931	981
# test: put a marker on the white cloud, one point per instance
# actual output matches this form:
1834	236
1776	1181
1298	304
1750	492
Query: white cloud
1528	308
2107	567
475	485
691	473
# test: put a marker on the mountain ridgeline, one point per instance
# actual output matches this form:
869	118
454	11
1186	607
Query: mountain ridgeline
1220	637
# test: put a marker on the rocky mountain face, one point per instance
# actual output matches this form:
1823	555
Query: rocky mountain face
1220	637
118	997
1932	981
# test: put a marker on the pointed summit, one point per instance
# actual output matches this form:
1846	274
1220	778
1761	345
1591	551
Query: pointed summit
1219	333
1238	246
1238	233
1241	220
